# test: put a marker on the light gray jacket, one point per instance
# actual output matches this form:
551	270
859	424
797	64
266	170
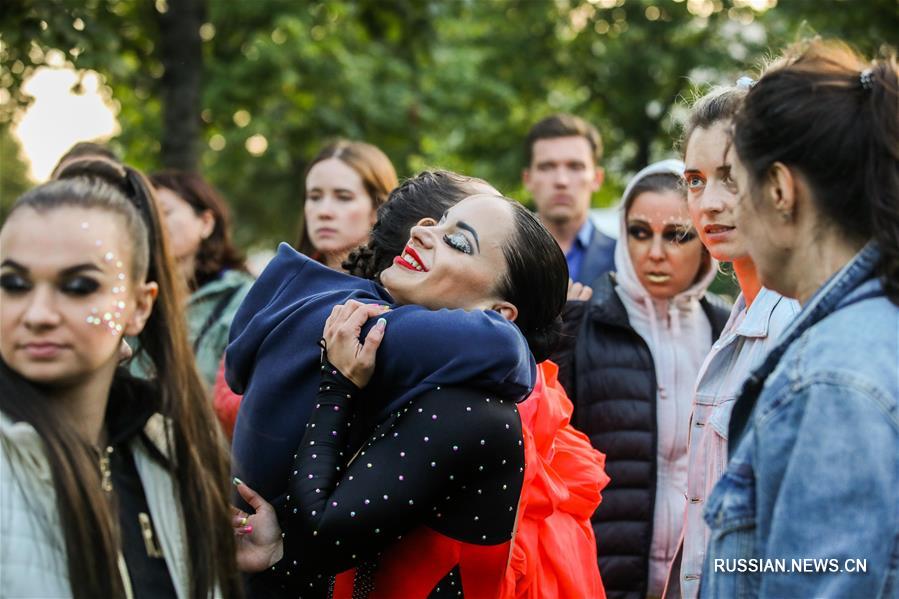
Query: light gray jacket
32	546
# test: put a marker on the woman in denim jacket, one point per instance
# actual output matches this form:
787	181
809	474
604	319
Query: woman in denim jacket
756	321
809	503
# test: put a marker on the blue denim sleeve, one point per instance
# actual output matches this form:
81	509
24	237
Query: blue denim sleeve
839	494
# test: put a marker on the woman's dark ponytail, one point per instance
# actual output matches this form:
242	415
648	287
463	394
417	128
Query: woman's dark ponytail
536	282
543	341
882	167
832	115
199	465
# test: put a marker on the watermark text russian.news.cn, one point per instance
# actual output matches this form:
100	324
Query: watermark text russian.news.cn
795	565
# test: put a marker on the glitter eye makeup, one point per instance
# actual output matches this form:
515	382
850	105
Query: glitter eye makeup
80	285
679	235
639	232
459	242
673	234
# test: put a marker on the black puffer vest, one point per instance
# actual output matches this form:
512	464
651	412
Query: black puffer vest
608	372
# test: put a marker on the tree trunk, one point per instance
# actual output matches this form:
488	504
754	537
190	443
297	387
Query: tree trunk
642	157
181	50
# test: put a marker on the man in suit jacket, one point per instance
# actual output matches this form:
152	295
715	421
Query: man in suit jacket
562	154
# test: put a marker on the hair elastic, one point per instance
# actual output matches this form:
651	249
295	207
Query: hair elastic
744	82
866	79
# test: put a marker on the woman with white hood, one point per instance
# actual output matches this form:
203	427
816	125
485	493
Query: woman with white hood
631	371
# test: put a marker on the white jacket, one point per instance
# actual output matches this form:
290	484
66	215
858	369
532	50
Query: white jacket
679	335
32	545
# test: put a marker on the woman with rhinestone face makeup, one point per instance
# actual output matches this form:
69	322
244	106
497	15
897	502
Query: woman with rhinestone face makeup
643	337
456	440
96	467
754	327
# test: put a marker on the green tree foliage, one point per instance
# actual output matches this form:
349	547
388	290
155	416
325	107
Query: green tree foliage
433	83
14	180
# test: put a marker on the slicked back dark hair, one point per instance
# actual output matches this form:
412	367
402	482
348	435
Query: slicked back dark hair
536	282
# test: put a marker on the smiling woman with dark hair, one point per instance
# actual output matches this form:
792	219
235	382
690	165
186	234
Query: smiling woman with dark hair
435	419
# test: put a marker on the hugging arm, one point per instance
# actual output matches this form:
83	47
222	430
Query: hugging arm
342	511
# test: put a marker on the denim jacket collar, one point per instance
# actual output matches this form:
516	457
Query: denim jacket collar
755	323
834	293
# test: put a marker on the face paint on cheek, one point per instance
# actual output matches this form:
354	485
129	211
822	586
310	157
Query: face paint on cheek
115	325
680	221
112	317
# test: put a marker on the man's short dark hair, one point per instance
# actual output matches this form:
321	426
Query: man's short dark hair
563	125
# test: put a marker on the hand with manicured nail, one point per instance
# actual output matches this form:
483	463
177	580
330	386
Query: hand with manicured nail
354	360
259	544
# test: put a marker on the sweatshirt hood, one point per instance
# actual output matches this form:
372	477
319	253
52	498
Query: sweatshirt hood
624	267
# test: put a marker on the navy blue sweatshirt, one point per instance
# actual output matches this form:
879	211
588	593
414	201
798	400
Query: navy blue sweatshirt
273	359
